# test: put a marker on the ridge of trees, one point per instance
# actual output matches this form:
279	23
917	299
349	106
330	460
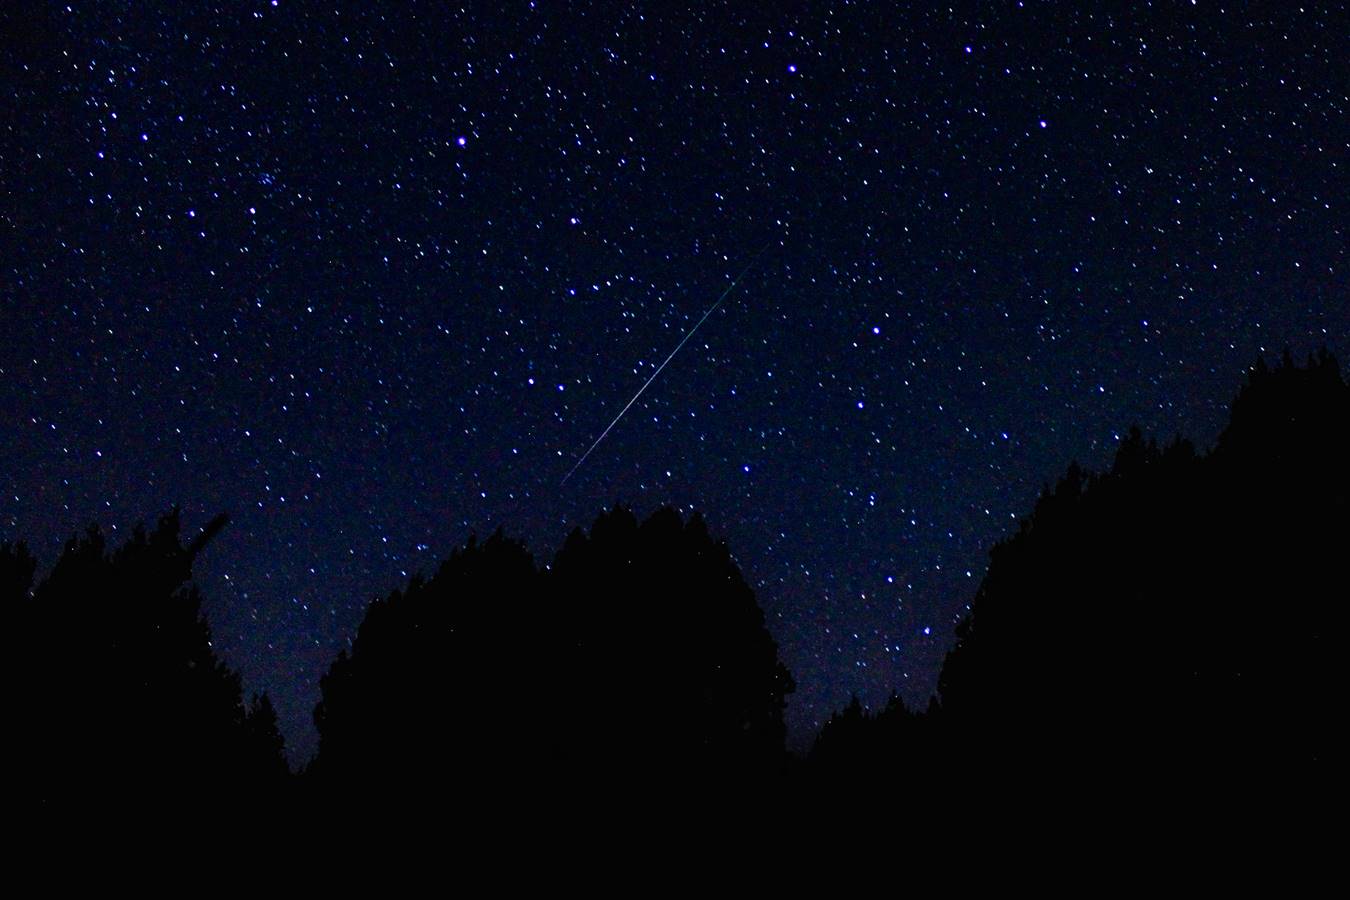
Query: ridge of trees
1172	618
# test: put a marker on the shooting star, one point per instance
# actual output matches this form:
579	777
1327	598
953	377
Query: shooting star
690	333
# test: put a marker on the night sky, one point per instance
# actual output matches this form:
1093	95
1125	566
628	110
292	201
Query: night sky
372	277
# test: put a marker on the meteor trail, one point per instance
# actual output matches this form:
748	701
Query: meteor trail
754	259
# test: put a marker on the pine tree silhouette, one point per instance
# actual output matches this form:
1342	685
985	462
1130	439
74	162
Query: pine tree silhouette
128	695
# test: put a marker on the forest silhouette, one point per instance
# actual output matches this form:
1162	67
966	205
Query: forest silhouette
1170	620
117	691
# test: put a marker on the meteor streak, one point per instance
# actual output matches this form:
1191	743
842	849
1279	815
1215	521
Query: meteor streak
690	333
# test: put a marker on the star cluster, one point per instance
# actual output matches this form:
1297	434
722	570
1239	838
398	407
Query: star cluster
371	278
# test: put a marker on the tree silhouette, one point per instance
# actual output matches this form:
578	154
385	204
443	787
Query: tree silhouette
16	574
638	658
429	694
1169	619
661	623
128	696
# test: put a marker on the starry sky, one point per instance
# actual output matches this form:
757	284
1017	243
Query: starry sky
371	278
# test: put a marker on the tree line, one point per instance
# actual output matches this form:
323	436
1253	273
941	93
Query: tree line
1172	619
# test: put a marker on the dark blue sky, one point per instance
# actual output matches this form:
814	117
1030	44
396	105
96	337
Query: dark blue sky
372	277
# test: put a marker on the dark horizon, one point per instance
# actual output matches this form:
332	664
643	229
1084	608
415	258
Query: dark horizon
628	588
